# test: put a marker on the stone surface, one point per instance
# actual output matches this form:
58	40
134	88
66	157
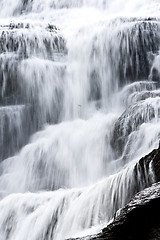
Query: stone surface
130	121
138	220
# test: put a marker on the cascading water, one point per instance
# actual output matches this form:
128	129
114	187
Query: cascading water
79	106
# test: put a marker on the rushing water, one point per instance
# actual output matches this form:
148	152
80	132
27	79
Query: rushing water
79	106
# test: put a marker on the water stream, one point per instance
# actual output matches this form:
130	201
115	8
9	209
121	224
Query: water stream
79	106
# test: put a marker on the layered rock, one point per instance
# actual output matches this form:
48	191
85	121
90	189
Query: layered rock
129	123
30	90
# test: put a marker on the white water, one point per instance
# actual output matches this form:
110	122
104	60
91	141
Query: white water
71	73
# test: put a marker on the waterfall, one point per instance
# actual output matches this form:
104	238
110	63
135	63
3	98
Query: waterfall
79	107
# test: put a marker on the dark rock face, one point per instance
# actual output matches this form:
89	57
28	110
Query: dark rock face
139	220
151	161
142	39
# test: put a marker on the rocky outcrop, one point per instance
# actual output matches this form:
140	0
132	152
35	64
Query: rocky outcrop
138	220
26	40
21	41
140	40
130	50
130	122
23	82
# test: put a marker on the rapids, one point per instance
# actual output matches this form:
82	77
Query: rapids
79	106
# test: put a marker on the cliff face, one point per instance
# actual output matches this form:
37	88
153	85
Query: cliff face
140	218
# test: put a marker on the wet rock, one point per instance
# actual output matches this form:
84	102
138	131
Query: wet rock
131	120
139	219
137	91
30	42
139	41
10	92
19	41
129	52
22	42
147	169
16	124
51	28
